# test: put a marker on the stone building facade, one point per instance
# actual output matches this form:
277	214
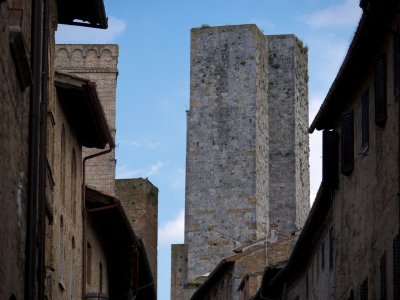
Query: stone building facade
97	62
27	65
14	129
139	198
354	225
247	144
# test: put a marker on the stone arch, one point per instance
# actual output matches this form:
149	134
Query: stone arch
63	57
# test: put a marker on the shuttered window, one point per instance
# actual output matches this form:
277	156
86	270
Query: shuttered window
383	277
380	91
330	159
365	120
364	290
396	267
347	143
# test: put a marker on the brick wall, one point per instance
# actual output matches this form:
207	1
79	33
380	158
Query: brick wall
139	198
97	63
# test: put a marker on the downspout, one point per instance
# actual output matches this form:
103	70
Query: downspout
34	146
43	153
84	213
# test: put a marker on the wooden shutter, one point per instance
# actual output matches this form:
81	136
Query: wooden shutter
383	277
365	120
330	159
380	91
364	290
347	143
396	267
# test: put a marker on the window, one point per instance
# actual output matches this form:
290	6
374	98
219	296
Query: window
330	159
101	278
351	296
347	143
396	65
365	121
383	277
364	290
61	251
73	186
331	249
307	286
380	91
62	165
396	266
88	263
72	267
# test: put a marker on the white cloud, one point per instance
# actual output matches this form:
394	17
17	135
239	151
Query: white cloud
341	15
172	232
67	34
153	170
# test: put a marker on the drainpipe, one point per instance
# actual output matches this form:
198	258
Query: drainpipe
43	153
84	213
34	147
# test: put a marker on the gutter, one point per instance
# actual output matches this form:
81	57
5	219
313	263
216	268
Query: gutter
84	212
34	148
41	272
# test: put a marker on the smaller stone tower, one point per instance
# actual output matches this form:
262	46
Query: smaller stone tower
97	63
289	182
139	198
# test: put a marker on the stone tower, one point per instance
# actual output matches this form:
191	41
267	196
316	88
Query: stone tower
226	170
98	63
247	145
289	179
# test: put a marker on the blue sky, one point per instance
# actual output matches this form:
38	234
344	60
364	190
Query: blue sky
153	82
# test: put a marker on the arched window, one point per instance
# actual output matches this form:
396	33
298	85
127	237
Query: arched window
61	250
72	263
73	186
62	165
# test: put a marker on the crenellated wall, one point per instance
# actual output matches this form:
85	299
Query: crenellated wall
97	62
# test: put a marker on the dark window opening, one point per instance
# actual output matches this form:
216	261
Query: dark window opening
347	143
89	263
323	256
380	91
331	249
396	267
365	120
364	290
396	65
383	277
330	159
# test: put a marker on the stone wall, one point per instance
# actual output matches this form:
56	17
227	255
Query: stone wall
14	112
139	198
288	144
64	234
97	63
226	173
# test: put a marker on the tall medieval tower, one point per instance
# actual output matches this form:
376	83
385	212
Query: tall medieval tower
98	63
247	153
